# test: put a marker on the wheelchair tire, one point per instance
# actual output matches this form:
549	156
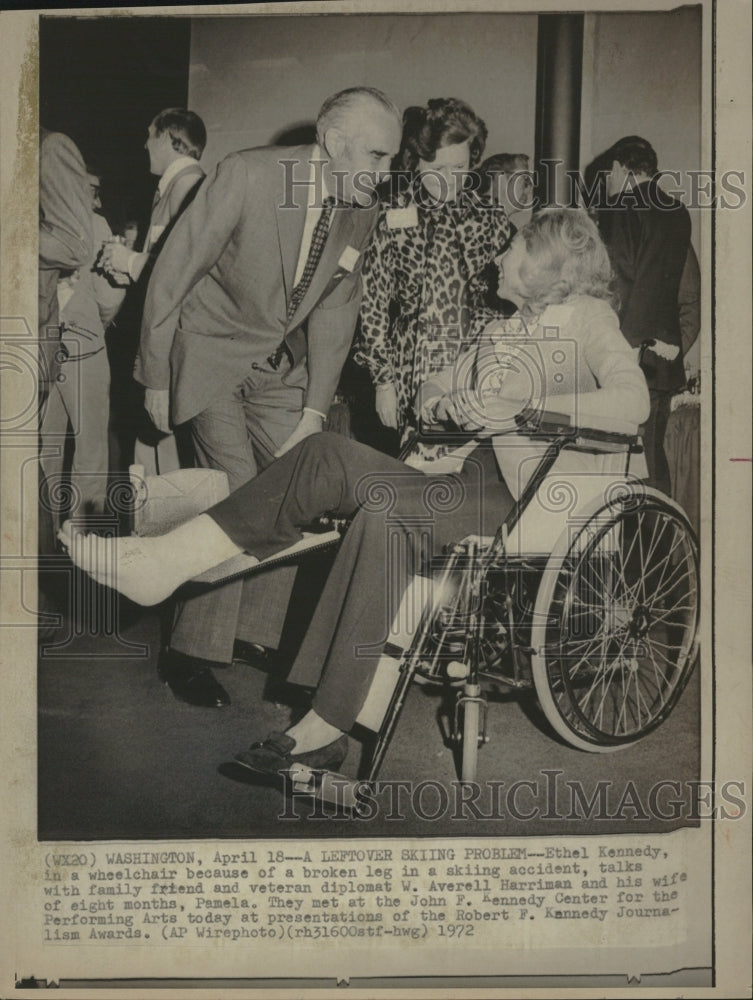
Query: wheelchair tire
614	632
469	749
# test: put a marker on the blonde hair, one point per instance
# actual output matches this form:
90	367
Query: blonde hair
566	256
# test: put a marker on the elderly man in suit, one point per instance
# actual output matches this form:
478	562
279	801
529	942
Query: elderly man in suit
249	317
175	141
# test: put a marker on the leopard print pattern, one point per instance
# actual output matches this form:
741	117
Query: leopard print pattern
424	283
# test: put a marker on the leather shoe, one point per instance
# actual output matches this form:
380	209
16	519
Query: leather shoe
192	681
248	652
274	755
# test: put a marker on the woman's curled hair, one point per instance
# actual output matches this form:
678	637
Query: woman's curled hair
566	256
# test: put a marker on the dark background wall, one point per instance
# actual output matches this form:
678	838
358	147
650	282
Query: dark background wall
102	81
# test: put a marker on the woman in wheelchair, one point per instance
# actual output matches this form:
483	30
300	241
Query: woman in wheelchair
562	351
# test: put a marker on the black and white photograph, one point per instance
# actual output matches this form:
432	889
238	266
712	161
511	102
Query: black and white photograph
364	463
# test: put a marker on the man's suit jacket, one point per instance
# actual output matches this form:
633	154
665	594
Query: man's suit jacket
65	234
174	200
217	301
647	234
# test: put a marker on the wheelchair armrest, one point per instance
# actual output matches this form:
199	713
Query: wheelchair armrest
441	435
544	423
603	431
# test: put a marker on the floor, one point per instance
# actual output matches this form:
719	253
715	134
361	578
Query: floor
121	759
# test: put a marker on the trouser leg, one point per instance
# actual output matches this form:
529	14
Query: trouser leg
86	396
653	441
157	457
53	433
205	625
404	519
325	473
272	409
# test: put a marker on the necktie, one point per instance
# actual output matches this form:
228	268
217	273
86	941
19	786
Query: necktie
318	239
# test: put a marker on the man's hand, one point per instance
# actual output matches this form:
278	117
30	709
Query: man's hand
310	423
157	405
115	257
386	404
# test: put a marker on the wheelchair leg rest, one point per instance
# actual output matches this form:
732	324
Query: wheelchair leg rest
328	786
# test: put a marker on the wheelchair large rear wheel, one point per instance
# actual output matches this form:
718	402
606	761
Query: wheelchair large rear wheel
614	632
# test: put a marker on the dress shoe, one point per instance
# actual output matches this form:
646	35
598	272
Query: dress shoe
191	680
248	652
274	755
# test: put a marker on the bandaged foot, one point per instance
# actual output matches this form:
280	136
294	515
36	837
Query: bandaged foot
148	570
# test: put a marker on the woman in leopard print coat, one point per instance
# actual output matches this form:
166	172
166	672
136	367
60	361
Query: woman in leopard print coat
423	273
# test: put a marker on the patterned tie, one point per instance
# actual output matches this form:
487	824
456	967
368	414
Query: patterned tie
318	239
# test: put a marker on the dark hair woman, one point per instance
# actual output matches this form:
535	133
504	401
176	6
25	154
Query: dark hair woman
423	274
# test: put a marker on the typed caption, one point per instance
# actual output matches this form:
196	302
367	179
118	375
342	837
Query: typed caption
581	893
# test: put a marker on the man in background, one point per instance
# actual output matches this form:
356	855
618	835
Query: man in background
249	317
175	141
508	180
65	238
65	243
647	233
80	396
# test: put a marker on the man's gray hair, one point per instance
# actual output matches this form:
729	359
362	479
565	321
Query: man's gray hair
337	107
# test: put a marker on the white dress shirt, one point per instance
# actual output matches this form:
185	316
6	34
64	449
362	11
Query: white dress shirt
317	192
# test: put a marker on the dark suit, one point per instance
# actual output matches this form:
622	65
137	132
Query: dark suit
215	311
152	449
647	234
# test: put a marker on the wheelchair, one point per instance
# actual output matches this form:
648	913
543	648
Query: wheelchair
591	603
596	612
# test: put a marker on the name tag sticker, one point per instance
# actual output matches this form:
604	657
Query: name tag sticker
402	218
348	258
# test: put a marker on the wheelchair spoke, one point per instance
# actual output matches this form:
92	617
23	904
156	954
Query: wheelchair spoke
665	617
630	590
669	586
657	642
620	629
667	561
654	542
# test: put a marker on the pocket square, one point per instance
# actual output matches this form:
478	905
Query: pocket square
348	258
